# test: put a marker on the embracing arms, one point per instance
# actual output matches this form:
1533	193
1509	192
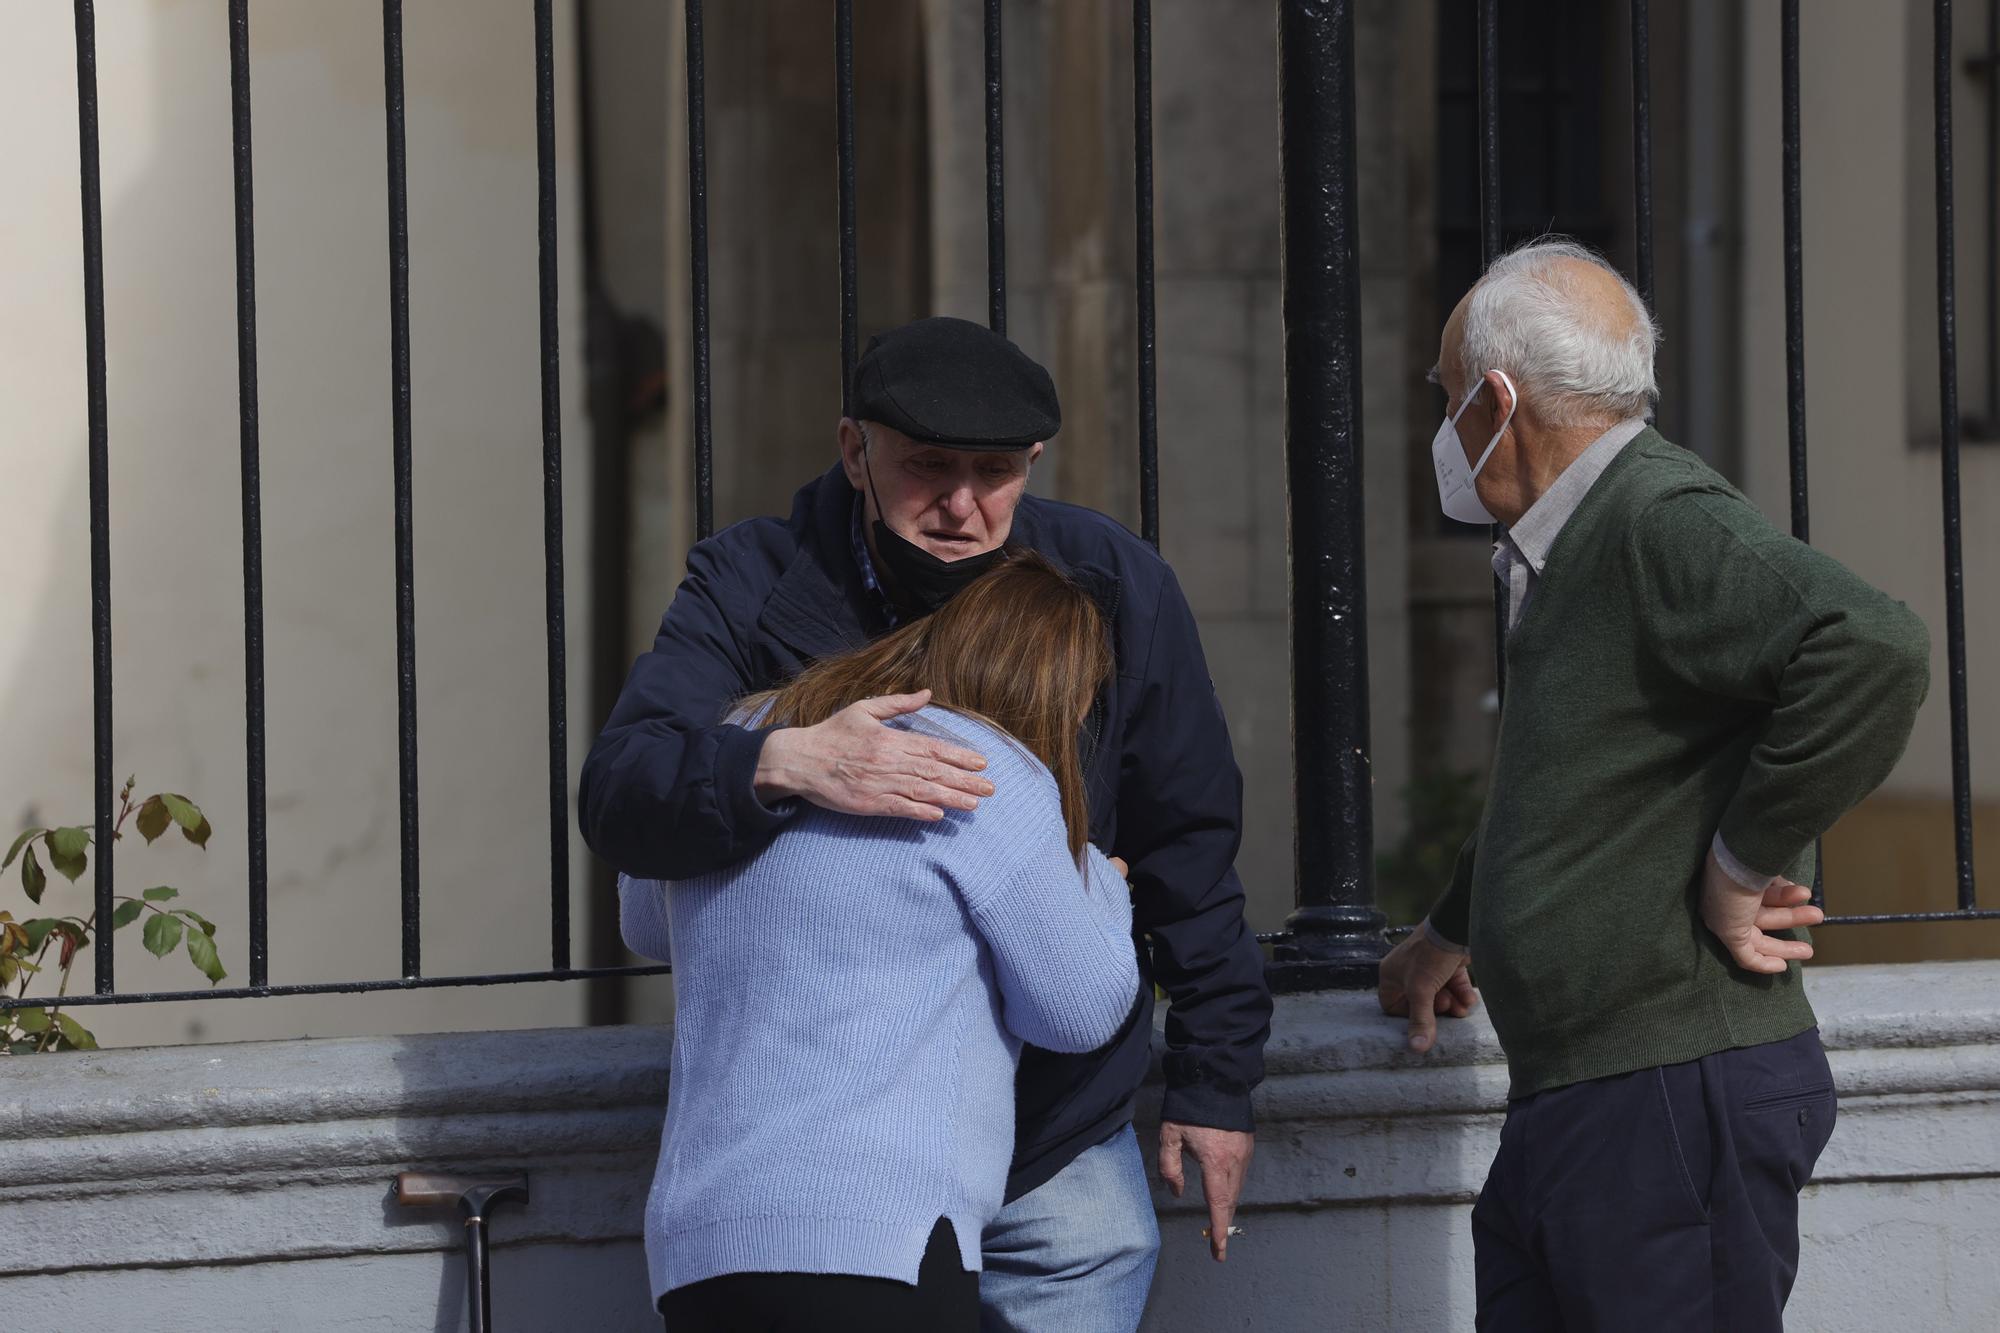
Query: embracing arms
670	791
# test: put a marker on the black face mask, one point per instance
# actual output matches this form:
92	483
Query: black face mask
918	583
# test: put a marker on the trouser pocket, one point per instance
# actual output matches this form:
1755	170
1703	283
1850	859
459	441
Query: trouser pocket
1788	1106
1689	1145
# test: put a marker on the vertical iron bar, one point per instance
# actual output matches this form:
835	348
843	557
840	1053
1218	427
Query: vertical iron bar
843	55
1993	219
1142	189
610	532
100	481
1489	250
399	334
1642	144
253	503
996	183
1795	316
704	470
1489	131
1795	299
1954	566
552	487
1336	933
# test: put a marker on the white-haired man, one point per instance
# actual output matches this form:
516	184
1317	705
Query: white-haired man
1692	698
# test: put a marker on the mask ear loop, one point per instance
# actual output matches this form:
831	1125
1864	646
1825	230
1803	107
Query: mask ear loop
868	471
1493	443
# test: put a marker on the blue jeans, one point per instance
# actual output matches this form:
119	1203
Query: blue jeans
1076	1254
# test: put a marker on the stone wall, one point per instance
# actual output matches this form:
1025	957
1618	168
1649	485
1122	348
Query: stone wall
247	1187
1072	274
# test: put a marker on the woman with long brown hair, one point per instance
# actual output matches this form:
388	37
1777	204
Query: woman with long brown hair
852	1002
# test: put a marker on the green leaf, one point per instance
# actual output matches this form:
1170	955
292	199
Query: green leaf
201	949
22	1047
33	881
66	851
38	930
160	894
32	1020
163	932
19	843
207	926
75	1033
126	914
153	818
184	811
198	835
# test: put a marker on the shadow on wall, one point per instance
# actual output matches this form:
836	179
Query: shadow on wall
329	590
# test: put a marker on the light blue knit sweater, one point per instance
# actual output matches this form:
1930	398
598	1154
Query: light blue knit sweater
851	1006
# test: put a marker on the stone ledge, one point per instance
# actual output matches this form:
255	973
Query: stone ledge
285	1149
1877	1008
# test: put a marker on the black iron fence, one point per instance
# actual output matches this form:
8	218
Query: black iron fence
1335	934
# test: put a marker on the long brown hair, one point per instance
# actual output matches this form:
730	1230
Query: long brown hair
1022	648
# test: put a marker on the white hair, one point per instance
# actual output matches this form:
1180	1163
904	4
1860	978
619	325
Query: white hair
1529	316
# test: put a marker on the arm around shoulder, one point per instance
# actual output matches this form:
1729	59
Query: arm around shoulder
668	789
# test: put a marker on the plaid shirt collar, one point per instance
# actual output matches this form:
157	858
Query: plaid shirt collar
859	540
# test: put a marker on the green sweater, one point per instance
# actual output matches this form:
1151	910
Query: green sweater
1682	668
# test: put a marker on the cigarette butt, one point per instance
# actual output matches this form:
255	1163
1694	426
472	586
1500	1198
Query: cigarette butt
1233	1231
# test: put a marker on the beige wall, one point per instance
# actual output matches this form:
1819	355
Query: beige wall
329	591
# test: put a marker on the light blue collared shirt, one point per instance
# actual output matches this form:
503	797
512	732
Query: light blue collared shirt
1523	550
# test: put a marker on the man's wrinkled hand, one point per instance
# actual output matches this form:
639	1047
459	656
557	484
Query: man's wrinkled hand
1419	980
1224	1157
1743	919
854	764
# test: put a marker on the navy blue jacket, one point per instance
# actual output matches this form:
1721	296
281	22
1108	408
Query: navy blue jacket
667	791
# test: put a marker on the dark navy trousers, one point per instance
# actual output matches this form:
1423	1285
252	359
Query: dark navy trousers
1662	1199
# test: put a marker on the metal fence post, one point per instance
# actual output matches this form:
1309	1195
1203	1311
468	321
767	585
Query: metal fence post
1336	935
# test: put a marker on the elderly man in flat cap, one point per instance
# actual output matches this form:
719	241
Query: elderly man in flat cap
1692	699
931	483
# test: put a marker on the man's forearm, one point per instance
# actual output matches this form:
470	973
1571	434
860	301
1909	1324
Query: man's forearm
677	805
1217	1022
1848	699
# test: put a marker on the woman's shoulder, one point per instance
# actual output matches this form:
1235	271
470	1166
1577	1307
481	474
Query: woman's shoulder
1006	758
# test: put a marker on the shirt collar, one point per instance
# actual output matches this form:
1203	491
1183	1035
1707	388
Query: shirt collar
1534	536
859	539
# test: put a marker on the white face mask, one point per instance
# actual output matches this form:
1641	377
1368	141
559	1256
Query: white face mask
1457	496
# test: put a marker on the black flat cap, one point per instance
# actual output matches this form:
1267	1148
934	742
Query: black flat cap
952	382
